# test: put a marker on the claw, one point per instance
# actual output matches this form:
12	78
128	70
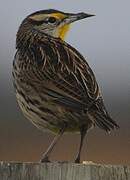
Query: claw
77	160
45	159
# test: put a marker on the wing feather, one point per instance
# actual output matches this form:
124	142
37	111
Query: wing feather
69	74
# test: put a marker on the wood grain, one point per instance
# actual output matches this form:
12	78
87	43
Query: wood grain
62	171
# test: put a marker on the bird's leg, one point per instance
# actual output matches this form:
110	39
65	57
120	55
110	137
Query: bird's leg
45	156
83	132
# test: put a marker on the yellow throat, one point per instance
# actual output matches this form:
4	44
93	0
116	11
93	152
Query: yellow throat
63	31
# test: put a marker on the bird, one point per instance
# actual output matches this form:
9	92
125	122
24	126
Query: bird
55	87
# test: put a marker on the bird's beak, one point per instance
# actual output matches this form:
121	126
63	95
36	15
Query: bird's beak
75	17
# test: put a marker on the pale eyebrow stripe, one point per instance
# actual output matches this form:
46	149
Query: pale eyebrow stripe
37	17
40	17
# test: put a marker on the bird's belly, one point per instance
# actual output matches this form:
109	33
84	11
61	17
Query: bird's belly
48	116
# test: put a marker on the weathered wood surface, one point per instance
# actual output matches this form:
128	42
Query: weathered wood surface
62	171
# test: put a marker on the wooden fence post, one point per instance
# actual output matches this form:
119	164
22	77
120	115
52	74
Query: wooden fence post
62	171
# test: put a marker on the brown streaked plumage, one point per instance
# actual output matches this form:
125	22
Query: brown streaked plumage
55	87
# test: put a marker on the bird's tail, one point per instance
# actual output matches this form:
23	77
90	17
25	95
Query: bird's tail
100	116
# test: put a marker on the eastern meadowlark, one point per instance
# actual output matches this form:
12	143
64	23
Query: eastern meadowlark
55	87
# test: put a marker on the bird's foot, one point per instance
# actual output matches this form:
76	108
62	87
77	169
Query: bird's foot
45	159
77	160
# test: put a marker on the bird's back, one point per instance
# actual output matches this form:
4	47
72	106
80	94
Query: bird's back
55	86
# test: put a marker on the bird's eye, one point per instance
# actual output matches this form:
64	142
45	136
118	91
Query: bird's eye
51	19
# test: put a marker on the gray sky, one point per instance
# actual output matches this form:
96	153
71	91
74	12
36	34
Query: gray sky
104	40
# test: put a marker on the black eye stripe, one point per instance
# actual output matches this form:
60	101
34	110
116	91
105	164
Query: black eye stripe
36	22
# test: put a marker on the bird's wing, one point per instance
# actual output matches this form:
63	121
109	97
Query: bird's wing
70	80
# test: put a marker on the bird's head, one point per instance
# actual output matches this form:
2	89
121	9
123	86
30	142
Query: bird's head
52	22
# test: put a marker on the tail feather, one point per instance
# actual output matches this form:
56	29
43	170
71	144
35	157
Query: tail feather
108	120
101	117
105	123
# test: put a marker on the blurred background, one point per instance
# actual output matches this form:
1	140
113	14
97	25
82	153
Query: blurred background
105	42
